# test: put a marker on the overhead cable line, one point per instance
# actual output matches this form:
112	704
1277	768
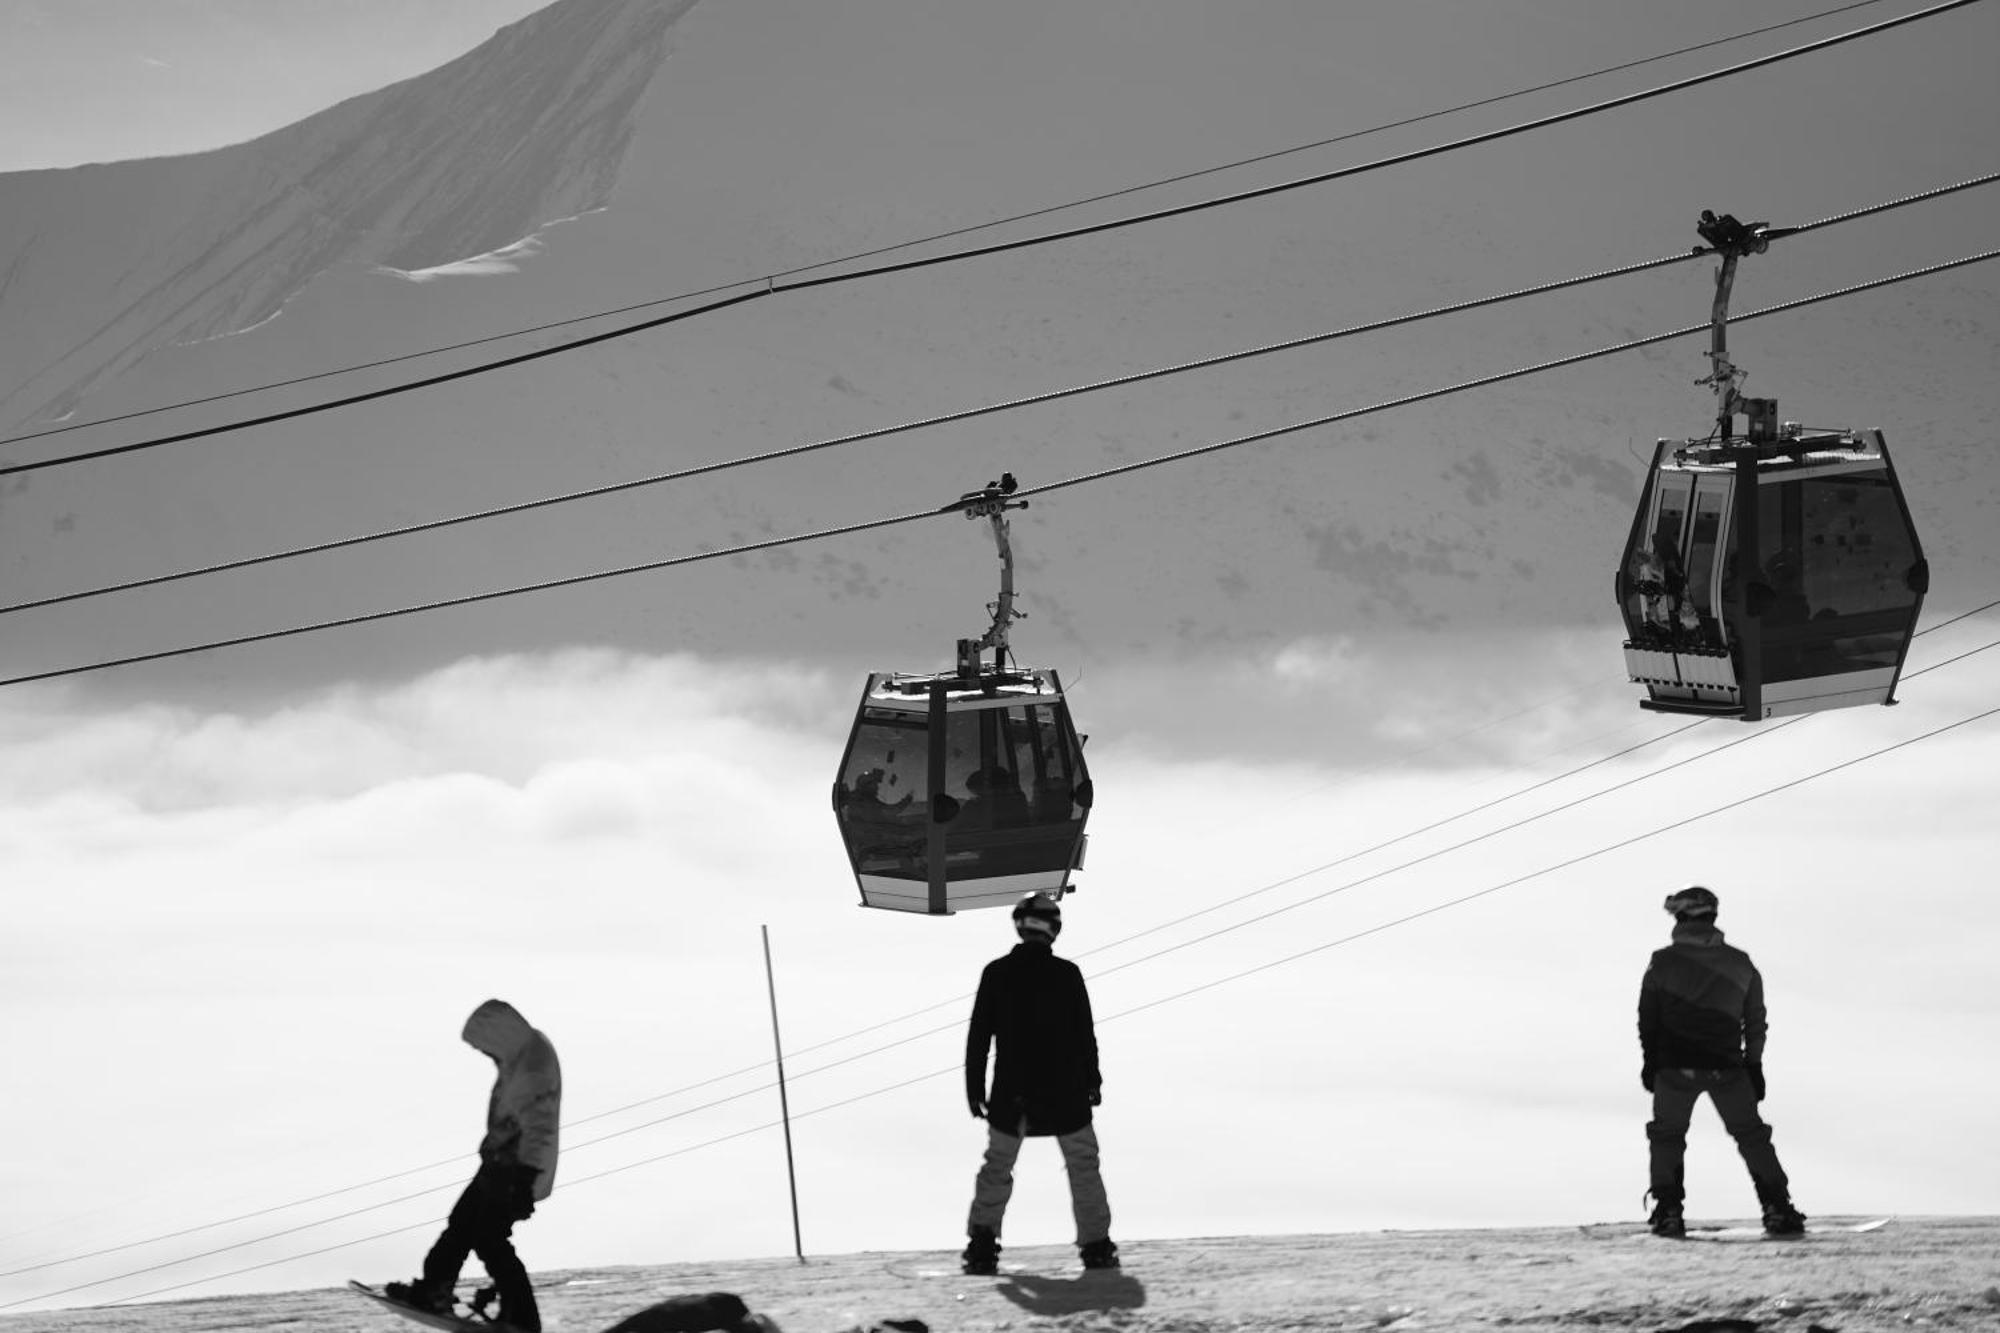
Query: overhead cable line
965	414
771	286
389	391
200	1227
1379	928
1536	369
773	543
1908	741
1488	805
1329	142
856	437
1569	864
933	237
934	1031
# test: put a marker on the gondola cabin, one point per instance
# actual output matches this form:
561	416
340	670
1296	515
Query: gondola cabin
962	790
1769	574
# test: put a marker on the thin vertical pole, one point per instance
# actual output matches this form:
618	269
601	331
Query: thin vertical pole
784	1105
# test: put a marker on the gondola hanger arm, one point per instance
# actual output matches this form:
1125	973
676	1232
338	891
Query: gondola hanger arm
992	502
1731	239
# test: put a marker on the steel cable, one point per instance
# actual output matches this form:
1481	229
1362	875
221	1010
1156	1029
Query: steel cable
771	286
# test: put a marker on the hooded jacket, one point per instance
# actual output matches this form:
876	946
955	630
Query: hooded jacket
1701	1003
524	1114
1033	1008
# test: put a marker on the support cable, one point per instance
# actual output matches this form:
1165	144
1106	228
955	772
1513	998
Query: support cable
964	414
1082	479
1105	474
933	237
771	286
856	437
1572	862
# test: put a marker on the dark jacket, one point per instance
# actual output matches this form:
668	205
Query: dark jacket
1701	1004
1033	1006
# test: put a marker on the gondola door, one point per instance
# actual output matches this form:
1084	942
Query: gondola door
1671	588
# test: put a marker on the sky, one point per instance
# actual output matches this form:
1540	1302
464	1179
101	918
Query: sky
1365	909
106	80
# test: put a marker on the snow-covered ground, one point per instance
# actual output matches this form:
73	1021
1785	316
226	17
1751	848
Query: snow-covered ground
1915	1273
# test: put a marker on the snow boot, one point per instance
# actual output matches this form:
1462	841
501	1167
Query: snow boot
420	1295
1667	1220
1782	1219
503	1321
982	1253
1098	1254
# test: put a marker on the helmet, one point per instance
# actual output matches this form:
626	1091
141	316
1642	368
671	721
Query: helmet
1038	916
1692	901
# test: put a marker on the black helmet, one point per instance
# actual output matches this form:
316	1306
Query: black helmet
1692	901
1038	916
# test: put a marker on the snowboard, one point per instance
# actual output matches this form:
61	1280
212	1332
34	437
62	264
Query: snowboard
1812	1229
445	1321
1737	1234
926	1269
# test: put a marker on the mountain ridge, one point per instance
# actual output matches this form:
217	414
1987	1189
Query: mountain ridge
419	174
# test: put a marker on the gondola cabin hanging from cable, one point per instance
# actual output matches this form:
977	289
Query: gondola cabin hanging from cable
968	788
1773	572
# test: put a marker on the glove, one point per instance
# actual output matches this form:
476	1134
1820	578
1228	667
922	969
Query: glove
1097	1096
1756	1073
1646	1073
977	1104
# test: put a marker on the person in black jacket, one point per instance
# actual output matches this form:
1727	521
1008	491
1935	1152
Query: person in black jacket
1701	1030
1034	1008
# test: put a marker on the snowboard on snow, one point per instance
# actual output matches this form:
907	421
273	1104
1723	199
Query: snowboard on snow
1812	1229
925	1268
477	1324
1738	1234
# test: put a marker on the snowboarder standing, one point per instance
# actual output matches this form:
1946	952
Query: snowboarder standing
1701	1030
517	1169
1034	1009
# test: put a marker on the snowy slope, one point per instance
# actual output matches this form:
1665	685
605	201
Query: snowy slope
472	157
780	134
1547	1279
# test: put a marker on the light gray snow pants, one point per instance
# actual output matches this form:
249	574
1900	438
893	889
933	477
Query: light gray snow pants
994	1185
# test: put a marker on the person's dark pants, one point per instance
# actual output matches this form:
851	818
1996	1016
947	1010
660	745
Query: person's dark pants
481	1223
1675	1091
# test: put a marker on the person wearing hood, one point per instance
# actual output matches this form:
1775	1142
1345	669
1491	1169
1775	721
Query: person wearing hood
1701	1030
517	1170
1033	1009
